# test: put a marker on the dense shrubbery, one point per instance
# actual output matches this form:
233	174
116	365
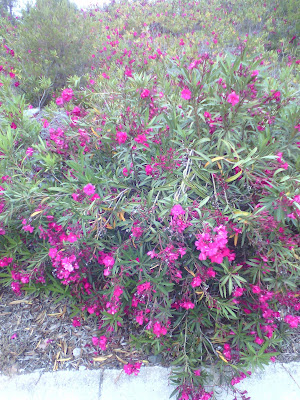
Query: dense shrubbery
164	194
51	42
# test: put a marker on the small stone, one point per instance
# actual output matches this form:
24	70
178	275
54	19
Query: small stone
155	359
77	352
82	368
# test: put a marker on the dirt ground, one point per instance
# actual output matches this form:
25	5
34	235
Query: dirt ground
36	333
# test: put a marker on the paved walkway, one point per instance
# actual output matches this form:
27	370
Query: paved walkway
277	382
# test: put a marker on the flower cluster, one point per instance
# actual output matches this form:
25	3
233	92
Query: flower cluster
213	245
130	369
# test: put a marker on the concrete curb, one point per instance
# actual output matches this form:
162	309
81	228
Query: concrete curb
276	382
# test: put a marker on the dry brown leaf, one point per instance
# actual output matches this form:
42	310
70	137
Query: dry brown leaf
102	358
41	317
59	314
120	359
64	359
121	351
64	347
20	301
55	366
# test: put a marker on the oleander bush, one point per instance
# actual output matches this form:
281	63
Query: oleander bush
162	193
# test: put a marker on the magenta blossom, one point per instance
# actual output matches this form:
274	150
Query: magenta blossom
121	137
177	210
29	151
76	322
132	368
108	261
59	101
196	281
292	320
148	169
89	189
101	342
145	93
186	94
233	98
67	94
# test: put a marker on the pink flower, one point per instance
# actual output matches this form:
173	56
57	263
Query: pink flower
71	238
107	271
96	196
13	125
186	94
177	210
259	340
102	342
238	292
145	93
137	231
255	72
187	305
52	252
95	340
128	369
121	137
136	368
108	261
292	320
14	336
76	322
255	289
75	196
184	396
152	254
128	72
143	287
148	169
89	189
29	151
211	273
67	94
59	101
158	329
141	138
125	171
132	368
28	228
196	281
118	291
233	98
76	110
197	372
